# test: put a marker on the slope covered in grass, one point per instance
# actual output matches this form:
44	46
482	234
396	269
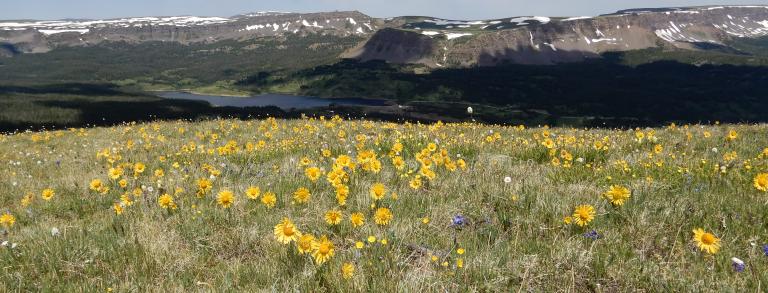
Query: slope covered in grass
178	206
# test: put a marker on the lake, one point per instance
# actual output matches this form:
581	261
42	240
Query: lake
285	102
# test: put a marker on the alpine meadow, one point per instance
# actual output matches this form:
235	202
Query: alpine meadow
340	151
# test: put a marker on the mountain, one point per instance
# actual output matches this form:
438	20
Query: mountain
424	40
546	40
29	36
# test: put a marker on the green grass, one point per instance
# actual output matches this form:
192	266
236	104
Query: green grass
515	238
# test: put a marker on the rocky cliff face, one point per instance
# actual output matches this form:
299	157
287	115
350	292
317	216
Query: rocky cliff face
544	40
42	36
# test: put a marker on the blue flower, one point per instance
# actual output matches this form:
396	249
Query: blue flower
765	249
458	221
738	265
593	235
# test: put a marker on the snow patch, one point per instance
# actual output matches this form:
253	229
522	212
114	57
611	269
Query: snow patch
576	18
53	32
523	20
452	36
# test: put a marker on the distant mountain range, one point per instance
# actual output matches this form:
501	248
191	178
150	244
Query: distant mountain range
429	41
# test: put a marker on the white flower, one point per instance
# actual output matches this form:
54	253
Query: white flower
714	150
580	160
14	245
469	110
737	261
54	231
5	243
507	179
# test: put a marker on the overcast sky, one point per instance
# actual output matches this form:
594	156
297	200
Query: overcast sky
454	9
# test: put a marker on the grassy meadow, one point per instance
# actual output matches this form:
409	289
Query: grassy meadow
332	205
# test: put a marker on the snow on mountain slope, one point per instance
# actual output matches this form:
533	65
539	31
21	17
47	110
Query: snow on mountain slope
40	36
540	40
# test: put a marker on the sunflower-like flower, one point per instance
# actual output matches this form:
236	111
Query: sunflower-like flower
225	198
333	217
357	219
323	250
253	192
286	231
378	191
347	270
617	194
706	241
761	182
305	242
584	214
301	195
382	216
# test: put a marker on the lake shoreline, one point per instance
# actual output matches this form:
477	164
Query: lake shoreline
282	101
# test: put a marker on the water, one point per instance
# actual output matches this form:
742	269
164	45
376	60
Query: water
285	102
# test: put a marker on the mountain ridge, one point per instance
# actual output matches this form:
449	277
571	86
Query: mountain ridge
434	42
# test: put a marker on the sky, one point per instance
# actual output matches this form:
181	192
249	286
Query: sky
451	9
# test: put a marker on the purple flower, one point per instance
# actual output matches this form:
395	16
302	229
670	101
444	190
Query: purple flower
765	249
738	265
458	221
593	235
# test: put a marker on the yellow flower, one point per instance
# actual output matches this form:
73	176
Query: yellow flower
166	201
269	199
204	186
357	219
253	192
333	217
425	220
658	149
118	208
301	195
313	173
460	263
415	183
125	199
584	214
323	250
138	168
567	220
304	244
226	198
95	185
359	245
462	164
347	270
159	173
48	193
123	183
115	173
706	241
286	231
7	220
371	239
617	194
460	251
342	191
377	191
382	216
732	135
27	199
761	182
